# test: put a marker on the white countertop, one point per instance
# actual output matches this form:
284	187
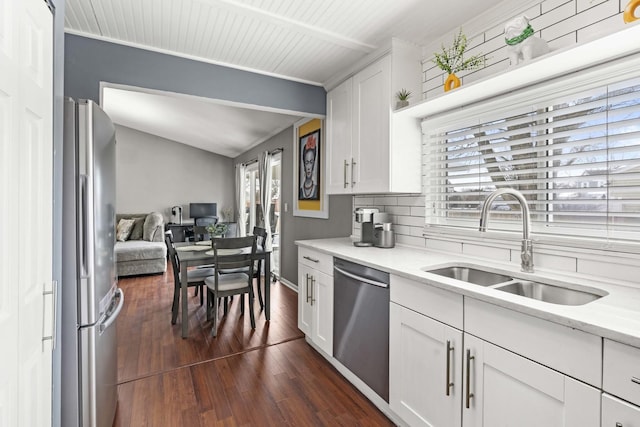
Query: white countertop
615	316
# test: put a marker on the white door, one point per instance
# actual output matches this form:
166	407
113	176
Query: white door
425	375
322	303
339	129
26	177
371	115
505	389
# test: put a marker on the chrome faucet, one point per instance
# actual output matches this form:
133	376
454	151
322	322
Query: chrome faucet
526	251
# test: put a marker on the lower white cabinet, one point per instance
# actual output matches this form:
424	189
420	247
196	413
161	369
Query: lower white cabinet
425	374
502	388
315	306
617	413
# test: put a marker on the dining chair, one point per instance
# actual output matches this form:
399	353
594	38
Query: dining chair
238	254
195	277
261	235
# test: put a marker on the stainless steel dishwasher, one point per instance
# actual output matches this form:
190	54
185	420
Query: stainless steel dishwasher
361	323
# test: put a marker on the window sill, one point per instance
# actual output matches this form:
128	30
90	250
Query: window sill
616	45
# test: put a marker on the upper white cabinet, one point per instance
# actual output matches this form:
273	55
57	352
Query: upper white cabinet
367	150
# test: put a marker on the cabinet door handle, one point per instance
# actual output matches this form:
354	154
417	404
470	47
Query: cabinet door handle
307	284
353	166
311	259
619	425
635	380
449	383
313	285
346	165
469	394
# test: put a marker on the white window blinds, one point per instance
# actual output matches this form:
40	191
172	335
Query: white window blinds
575	156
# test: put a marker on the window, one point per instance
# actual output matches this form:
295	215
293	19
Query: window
574	154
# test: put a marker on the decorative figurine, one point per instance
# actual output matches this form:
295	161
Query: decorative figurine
521	43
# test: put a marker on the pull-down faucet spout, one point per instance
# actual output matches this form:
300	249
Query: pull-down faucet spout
526	251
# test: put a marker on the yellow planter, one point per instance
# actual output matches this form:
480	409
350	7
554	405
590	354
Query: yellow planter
452	82
629	14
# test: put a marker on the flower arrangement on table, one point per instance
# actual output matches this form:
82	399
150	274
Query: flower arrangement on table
217	230
452	60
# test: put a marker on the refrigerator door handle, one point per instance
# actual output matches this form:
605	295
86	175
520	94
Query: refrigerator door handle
83	213
108	321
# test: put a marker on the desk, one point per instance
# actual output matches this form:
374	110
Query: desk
201	257
180	232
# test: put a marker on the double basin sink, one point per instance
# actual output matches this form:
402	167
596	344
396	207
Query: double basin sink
555	293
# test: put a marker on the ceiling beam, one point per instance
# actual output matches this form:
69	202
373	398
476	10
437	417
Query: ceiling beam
292	24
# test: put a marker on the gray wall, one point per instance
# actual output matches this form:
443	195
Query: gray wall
294	228
89	61
154	174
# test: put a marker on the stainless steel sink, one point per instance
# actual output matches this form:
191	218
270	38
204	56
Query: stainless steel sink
549	293
471	275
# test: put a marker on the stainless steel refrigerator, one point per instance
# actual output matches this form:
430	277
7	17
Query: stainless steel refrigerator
91	298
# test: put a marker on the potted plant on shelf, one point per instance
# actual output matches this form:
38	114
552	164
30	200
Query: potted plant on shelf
217	230
403	96
452	60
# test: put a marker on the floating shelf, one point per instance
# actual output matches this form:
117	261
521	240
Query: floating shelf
558	63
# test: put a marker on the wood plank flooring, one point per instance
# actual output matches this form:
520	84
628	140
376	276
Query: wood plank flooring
244	377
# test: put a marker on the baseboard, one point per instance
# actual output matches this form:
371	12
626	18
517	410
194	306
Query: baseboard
288	284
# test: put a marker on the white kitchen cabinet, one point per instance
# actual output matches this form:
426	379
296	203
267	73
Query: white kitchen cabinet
425	369
366	151
617	413
502	388
339	136
620	377
315	298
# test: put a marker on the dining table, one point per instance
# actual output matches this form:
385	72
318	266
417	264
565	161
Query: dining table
193	254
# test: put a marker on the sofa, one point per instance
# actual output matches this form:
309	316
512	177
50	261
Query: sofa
140	247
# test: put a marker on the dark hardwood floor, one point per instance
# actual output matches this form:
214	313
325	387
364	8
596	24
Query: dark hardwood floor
244	377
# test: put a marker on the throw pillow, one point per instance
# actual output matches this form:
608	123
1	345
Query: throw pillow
123	230
151	224
137	231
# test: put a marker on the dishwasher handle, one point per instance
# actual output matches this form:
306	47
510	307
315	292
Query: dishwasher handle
360	278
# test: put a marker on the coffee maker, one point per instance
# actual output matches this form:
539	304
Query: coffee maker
375	228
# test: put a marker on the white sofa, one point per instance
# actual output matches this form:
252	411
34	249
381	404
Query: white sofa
142	253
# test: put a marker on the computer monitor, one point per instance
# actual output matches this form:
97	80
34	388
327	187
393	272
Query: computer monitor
202	210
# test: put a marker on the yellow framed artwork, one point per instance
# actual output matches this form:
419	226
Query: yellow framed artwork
309	157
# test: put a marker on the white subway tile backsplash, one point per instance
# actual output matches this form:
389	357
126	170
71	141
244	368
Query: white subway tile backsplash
606	268
410	241
549	5
551	262
444	245
363	201
581	20
417	211
411	220
553	17
600	29
385	201
496	254
398	210
583	5
559	43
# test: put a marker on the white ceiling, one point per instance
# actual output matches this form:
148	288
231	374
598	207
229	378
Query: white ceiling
303	40
199	122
